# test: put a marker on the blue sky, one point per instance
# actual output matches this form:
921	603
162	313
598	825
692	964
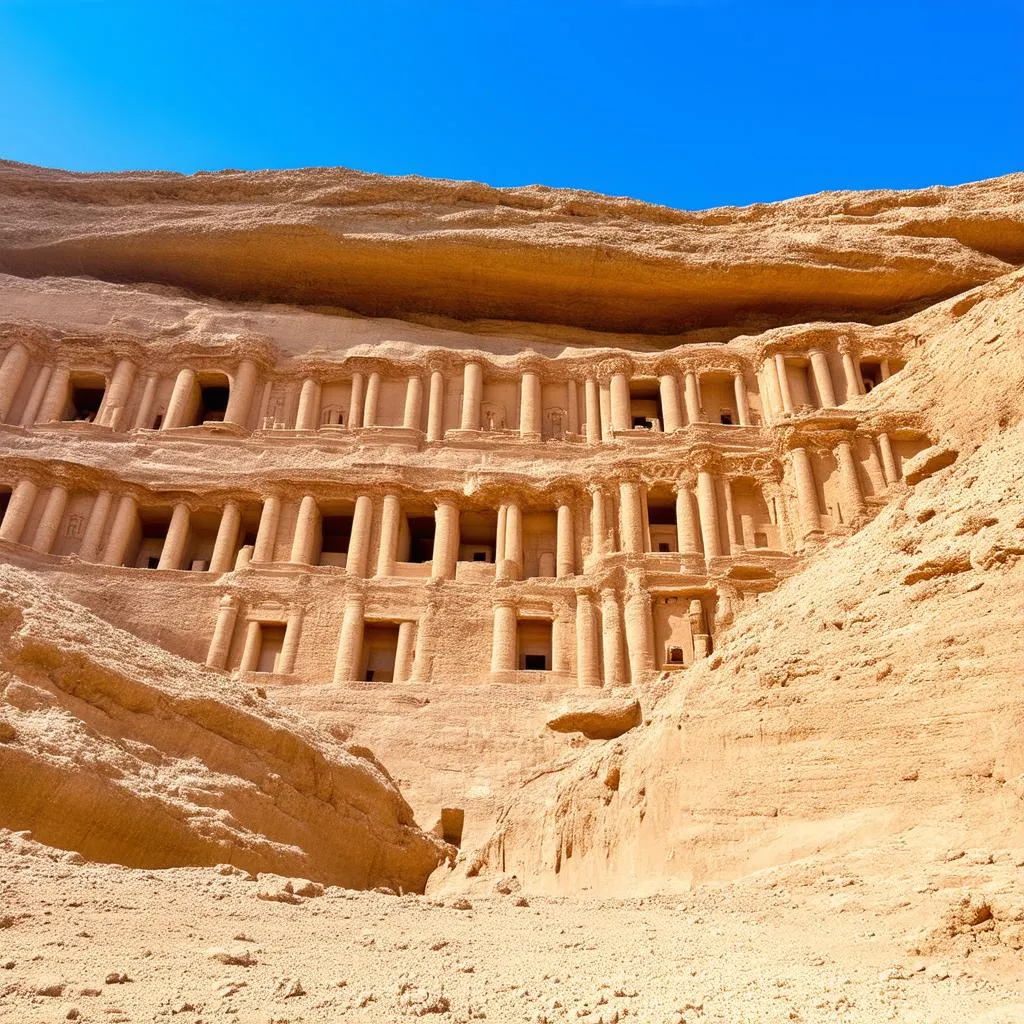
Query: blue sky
691	103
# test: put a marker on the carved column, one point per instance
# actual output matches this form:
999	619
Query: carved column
587	673
290	644
435	407
604	401
572	395
782	371
503	646
892	473
223	557
223	630
372	403
472	395
806	491
513	562
266	535
631	527
730	519
50	520
707	507
308	416
854	384
774	397
30	413
243	387
306	525
125	523
94	527
359	544
559	651
56	397
404	651
849	483
565	546
145	414
611	639
390	524
687	530
173	551
118	395
499	541
412	415
598	526
252	648
446	541
350	642
619	387
19	510
692	398
593	411
12	373
739	387
530	405
671	410
355	404
182	399
639	631
822	378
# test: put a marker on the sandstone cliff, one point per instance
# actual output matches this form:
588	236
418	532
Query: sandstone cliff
117	750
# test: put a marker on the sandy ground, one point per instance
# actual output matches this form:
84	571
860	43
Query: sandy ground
814	942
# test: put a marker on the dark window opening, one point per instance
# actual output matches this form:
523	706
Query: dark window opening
675	656
645	410
213	403
642	423
760	540
159	419
152	562
336	530
871	374
368	678
452	822
85	403
663	546
535	663
479	556
726	418
5	500
421	538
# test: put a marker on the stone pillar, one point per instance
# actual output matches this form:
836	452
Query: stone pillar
587	672
50	520
783	374
611	640
499	539
530	405
355	404
125	522
404	651
308	416
598	525
692	398
145	413
435	407
182	398
412	416
774	397
252	648
446	541
671	410
243	387
822	378
472	395
290	644
806	491
565	545
56	396
118	394
223	557
892	473
503	645
514	541
572	395
350	642
372	403
739	387
390	524
306	523
604	401
849	483
621	419
223	630
19	510
359	543
854	384
12	373
687	530
559	651
631	526
30	413
593	411
94	527
266	535
735	542
707	508
173	550
885	369
421	659
639	633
